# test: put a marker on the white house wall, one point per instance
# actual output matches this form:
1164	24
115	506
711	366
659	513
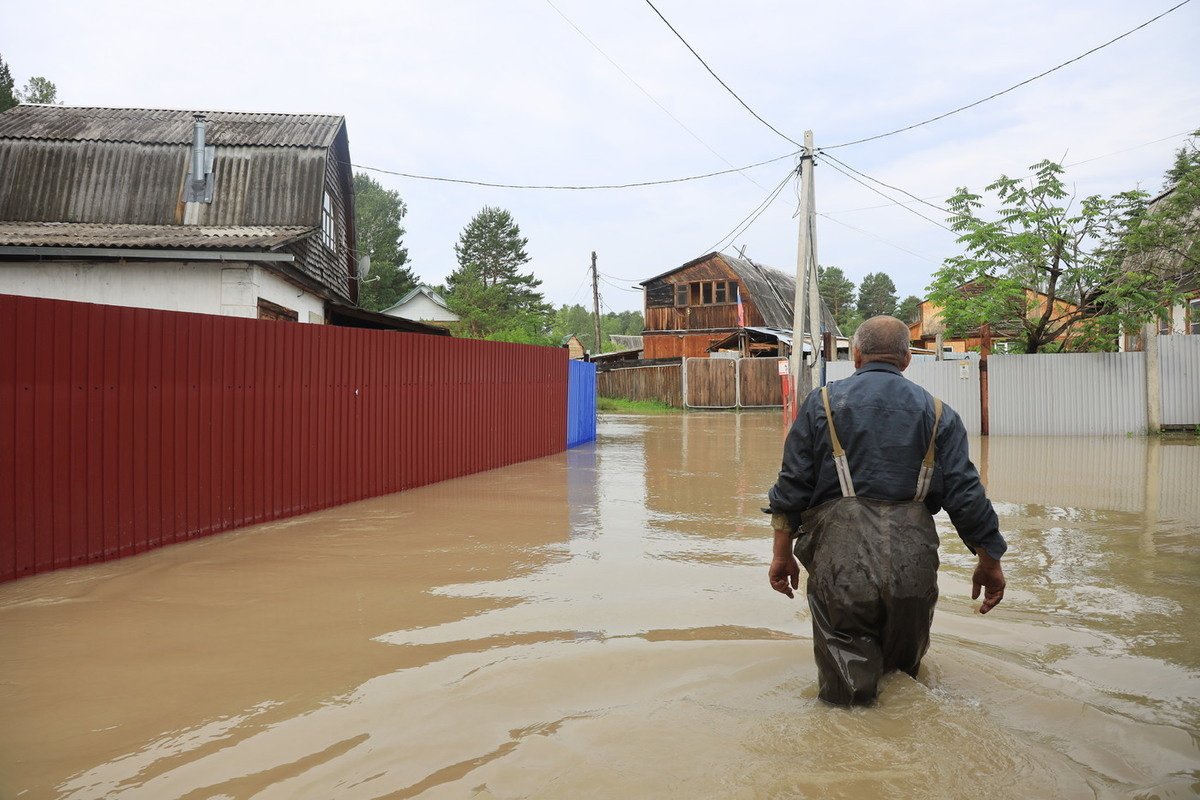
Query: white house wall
229	288
422	308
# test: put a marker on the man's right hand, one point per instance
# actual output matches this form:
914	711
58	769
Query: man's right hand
989	576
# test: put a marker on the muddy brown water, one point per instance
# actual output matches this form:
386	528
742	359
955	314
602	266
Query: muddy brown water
599	624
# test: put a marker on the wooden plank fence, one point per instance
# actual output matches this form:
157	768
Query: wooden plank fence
643	383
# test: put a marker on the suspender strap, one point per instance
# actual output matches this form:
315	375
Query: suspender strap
839	455
926	477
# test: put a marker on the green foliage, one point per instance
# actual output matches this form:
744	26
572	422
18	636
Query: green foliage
838	293
876	295
619	405
39	90
493	299
578	320
909	308
8	97
378	213
1041	239
1166	239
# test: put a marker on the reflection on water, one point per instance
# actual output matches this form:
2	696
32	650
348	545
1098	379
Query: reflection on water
598	624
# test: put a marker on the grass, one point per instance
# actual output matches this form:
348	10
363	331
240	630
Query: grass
617	405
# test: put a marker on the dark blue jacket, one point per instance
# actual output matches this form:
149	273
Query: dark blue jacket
884	422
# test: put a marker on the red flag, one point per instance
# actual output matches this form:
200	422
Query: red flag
741	312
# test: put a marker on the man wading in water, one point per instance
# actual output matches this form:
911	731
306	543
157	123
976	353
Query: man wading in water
867	463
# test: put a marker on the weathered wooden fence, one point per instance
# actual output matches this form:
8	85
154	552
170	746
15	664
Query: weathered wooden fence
661	383
125	429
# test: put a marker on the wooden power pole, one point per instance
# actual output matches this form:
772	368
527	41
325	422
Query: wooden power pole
596	304
806	313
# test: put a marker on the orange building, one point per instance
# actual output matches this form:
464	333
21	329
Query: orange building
924	330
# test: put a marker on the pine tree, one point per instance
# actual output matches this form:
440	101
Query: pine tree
876	295
8	97
378	213
838	293
487	292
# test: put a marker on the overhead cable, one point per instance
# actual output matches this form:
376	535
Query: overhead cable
888	185
718	77
643	90
1010	88
570	187
876	238
882	194
753	216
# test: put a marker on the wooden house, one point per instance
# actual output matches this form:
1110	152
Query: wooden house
693	307
574	347
215	212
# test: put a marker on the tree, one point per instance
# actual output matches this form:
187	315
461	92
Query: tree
39	90
876	295
8	97
838	293
378	213
1046	270
909	308
1165	240
487	292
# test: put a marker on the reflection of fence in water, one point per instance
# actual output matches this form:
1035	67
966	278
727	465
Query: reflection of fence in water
1133	474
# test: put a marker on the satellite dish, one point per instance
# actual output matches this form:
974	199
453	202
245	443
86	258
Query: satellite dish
364	266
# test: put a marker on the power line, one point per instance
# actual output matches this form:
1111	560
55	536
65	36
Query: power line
753	216
943	194
876	238
888	185
718	77
643	90
1011	88
894	200
567	187
618	287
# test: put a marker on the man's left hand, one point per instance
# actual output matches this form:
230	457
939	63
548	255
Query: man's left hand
785	574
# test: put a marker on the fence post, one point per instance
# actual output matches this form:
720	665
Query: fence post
1153	378
985	348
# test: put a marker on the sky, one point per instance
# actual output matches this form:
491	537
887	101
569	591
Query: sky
576	92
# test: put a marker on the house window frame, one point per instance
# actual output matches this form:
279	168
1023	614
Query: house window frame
328	232
1193	316
706	293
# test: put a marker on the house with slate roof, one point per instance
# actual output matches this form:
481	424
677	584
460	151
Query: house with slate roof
720	301
216	212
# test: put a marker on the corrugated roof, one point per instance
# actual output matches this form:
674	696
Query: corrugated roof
167	126
81	234
773	291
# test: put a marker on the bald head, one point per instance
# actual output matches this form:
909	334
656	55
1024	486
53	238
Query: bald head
883	339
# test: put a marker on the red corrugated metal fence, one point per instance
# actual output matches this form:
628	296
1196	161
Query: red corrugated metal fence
126	429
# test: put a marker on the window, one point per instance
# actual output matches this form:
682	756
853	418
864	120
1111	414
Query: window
327	236
706	293
1194	315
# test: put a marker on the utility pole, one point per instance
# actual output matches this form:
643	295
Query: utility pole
806	305
596	303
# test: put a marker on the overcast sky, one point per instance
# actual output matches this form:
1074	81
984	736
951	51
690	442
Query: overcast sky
510	91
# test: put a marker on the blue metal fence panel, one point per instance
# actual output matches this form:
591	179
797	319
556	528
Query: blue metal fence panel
581	403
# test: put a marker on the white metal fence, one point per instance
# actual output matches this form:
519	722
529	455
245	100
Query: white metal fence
1071	394
955	382
1179	361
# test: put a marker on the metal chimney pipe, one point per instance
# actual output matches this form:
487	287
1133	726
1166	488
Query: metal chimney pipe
198	149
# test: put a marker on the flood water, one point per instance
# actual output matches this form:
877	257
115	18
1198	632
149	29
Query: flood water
598	624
